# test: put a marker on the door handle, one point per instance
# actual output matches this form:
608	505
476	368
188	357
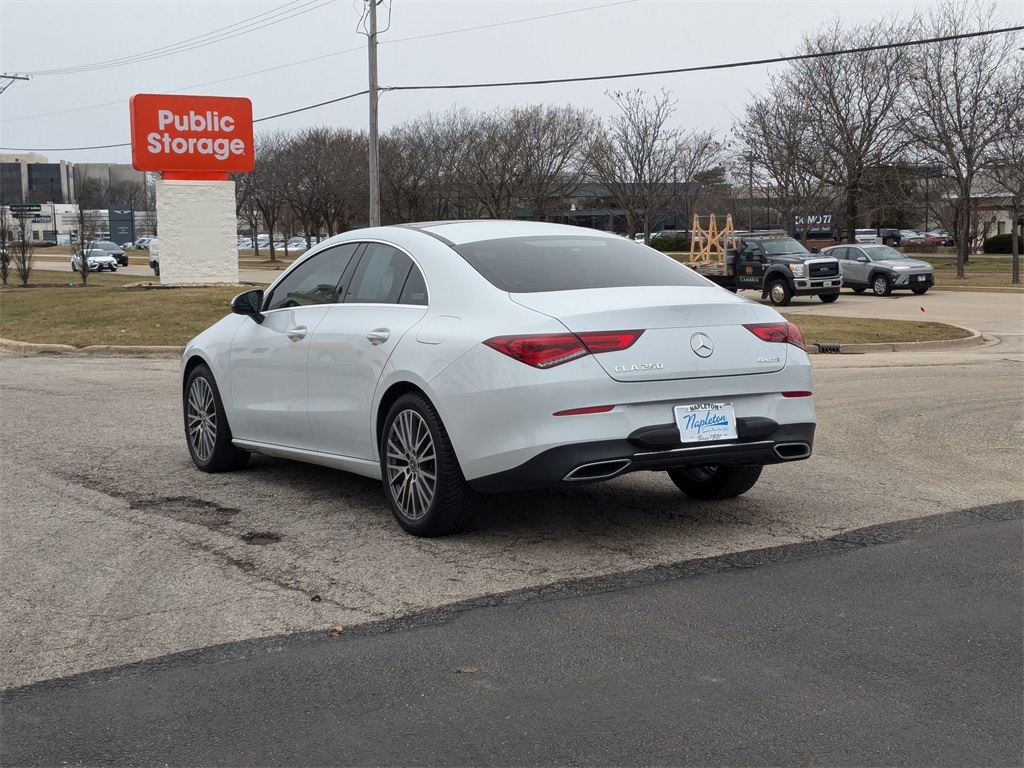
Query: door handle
378	336
297	333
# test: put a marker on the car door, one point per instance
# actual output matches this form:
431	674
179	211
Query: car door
856	267
268	360
750	266
385	297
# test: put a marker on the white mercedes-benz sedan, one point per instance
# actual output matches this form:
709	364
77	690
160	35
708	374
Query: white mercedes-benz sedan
455	358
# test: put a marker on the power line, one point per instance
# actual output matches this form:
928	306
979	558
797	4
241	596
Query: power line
325	56
711	67
651	73
218	35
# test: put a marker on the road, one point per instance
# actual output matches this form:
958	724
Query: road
900	645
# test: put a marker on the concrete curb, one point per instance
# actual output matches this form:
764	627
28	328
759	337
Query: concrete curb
976	338
99	350
112	350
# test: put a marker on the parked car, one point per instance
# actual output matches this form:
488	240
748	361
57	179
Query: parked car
112	248
296	244
939	238
467	357
142	243
881	268
910	237
96	258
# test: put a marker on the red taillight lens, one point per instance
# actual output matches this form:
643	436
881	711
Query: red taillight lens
555	349
540	351
782	333
609	341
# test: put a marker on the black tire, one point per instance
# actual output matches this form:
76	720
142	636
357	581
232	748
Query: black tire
207	432
859	289
828	298
779	293
423	482
880	285
156	270
711	482
921	290
113	269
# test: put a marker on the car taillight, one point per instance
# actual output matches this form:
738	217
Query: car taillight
783	333
549	350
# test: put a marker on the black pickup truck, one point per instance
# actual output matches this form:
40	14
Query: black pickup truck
778	266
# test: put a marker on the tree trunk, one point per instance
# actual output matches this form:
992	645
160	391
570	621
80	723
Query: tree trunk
1015	240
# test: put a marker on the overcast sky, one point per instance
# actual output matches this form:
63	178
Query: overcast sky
294	54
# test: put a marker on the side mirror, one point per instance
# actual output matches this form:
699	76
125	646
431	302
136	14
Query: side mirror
862	259
249	304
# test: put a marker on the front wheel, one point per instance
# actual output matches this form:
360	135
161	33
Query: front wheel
711	482
779	293
207	432
828	298
880	285
923	289
423	482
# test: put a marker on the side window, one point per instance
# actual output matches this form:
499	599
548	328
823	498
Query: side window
314	281
380	276
415	290
839	253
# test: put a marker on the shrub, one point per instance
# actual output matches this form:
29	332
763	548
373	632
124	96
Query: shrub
670	243
998	244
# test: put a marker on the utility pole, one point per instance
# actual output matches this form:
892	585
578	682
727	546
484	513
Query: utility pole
6	81
374	171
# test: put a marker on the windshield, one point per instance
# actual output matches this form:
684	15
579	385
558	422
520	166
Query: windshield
782	245
883	253
565	263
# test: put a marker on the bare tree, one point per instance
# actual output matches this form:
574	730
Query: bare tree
21	251
640	160
90	193
267	178
952	112
853	98
1005	161
6	234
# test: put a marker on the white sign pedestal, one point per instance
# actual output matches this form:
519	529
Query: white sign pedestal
198	231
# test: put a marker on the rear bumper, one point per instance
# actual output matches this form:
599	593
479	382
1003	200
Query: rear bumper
761	441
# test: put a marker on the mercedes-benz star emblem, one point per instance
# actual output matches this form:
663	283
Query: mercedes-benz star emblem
701	344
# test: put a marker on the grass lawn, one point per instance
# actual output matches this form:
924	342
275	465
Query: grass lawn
114	309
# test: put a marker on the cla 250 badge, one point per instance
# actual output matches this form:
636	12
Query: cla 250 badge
640	367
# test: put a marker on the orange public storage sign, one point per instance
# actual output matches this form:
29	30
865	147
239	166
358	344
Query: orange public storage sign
205	134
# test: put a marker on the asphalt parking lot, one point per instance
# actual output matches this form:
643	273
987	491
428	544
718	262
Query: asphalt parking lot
116	549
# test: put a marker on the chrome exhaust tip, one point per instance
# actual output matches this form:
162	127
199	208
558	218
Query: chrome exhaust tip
598	470
792	451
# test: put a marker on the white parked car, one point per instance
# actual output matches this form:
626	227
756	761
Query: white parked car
451	359
96	258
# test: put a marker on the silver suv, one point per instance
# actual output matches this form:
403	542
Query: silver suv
881	268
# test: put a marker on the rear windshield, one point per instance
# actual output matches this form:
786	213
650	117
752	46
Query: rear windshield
566	263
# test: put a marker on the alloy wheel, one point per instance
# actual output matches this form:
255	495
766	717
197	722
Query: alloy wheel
411	464
201	419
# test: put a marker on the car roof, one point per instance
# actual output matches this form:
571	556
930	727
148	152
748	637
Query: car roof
457	232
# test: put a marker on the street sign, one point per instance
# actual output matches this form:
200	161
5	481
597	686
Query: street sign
26	207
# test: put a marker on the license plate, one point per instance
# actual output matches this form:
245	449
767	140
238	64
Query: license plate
921	277
827	283
705	422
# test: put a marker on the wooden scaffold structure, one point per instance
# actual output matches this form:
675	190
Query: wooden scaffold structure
711	245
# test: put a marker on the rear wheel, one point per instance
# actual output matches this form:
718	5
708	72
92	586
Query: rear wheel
880	285
206	426
779	293
919	291
710	482
828	298
423	482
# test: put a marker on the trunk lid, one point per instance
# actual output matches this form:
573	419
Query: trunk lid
679	324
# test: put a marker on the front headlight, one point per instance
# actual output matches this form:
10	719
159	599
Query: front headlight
797	270
900	266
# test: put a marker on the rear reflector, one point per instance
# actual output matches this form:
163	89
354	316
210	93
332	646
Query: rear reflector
783	333
581	411
796	394
554	349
